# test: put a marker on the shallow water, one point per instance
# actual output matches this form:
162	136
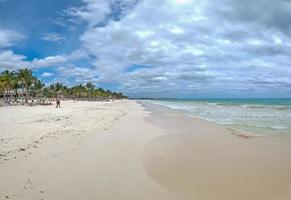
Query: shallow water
261	117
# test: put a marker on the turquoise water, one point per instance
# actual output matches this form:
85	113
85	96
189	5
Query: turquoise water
260	117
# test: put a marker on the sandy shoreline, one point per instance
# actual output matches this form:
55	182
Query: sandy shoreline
201	160
121	150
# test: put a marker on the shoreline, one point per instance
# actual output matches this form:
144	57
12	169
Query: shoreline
236	132
128	150
204	154
240	132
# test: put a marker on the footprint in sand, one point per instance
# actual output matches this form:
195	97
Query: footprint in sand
28	185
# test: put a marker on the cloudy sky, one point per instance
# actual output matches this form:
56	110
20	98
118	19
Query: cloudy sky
153	48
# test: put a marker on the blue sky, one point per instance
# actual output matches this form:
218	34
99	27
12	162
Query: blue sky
152	48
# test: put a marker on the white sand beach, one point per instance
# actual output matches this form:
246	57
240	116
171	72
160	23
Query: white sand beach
145	100
123	150
84	150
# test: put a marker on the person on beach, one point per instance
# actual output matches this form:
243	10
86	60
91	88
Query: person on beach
58	102
58	99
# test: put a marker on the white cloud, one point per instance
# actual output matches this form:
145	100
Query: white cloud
94	12
49	61
46	74
9	38
12	61
80	75
178	36
53	37
9	60
177	30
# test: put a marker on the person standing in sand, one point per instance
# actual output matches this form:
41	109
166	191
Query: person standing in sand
58	102
58	99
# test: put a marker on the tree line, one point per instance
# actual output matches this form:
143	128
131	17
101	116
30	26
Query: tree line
22	87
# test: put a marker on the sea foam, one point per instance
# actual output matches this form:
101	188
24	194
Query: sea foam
257	116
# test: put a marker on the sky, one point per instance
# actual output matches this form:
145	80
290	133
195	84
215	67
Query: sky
153	48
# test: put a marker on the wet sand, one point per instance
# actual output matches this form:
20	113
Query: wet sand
201	160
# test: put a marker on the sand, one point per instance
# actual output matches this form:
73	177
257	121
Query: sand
125	150
201	160
85	150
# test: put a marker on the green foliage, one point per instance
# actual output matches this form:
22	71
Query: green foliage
22	84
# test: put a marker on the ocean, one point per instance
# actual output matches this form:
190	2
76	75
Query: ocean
259	117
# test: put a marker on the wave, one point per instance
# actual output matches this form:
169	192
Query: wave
246	117
244	134
254	106
259	126
191	105
276	107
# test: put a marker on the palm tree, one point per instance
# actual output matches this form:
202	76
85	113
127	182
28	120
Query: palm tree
38	86
90	87
56	88
52	89
31	86
80	91
48	93
7	83
59	87
15	85
2	88
26	78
